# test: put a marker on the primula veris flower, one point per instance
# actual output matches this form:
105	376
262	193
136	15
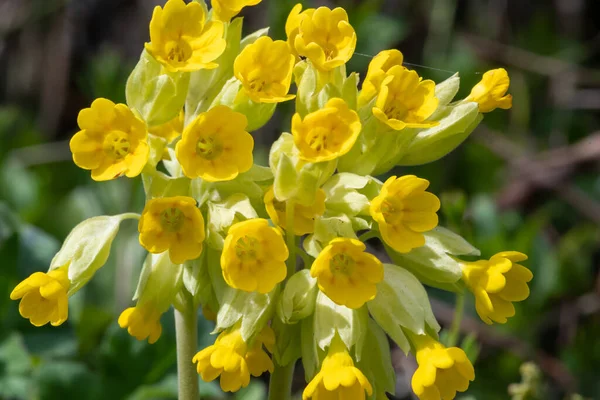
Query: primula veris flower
265	69
324	36
292	25
253	257
44	297
304	216
169	130
442	371
497	283
215	146
326	134
174	224
338	377
142	321
405	100
490	93
346	273
404	210
182	40
234	360
378	68
111	142
224	10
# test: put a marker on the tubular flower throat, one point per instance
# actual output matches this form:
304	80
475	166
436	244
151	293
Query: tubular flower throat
174	224
346	274
496	284
224	10
142	321
44	297
169	130
378	68
338	377
326	134
490	93
324	36
253	257
234	360
111	142
442	371
304	216
215	146
265	69
181	40
405	100
404	210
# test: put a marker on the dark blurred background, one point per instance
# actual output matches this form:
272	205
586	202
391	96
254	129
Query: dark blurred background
526	180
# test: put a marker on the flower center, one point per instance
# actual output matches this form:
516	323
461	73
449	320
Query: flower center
396	110
257	85
116	144
246	248
208	148
178	51
342	263
172	219
392	213
318	139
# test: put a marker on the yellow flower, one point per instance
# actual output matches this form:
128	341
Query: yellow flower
490	93
324	36
234	360
292	25
169	130
180	38
327	133
254	255
174	224
378	68
304	216
215	146
403	210
442	371
44	297
265	70
496	284
346	274
111	142
142	321
224	10
338	377
405	100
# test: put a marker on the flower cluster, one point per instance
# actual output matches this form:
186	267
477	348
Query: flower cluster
226	234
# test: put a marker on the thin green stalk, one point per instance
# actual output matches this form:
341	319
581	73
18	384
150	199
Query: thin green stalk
459	309
186	330
280	385
290	237
305	257
368	235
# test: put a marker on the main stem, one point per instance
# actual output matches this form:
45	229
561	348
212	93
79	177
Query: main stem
186	328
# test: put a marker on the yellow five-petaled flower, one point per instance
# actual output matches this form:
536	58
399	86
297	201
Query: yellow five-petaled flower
224	10
142	322
378	68
490	92
182	40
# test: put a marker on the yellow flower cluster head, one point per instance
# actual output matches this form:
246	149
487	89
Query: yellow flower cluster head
304	275
496	284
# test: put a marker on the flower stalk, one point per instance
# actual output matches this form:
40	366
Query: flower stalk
186	322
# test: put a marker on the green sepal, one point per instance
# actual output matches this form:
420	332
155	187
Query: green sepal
287	342
328	228
158	184
446	90
350	194
159	282
297	301
309	349
197	280
376	362
221	215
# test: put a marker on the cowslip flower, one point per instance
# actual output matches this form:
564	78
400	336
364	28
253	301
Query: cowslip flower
142	321
170	130
234	360
215	146
338	377
497	283
324	36
182	40
490	92
405	100
346	273
292	25
265	69
44	297
304	216
111	142
224	10
442	371
404	210
327	133
253	257
174	224
378	68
